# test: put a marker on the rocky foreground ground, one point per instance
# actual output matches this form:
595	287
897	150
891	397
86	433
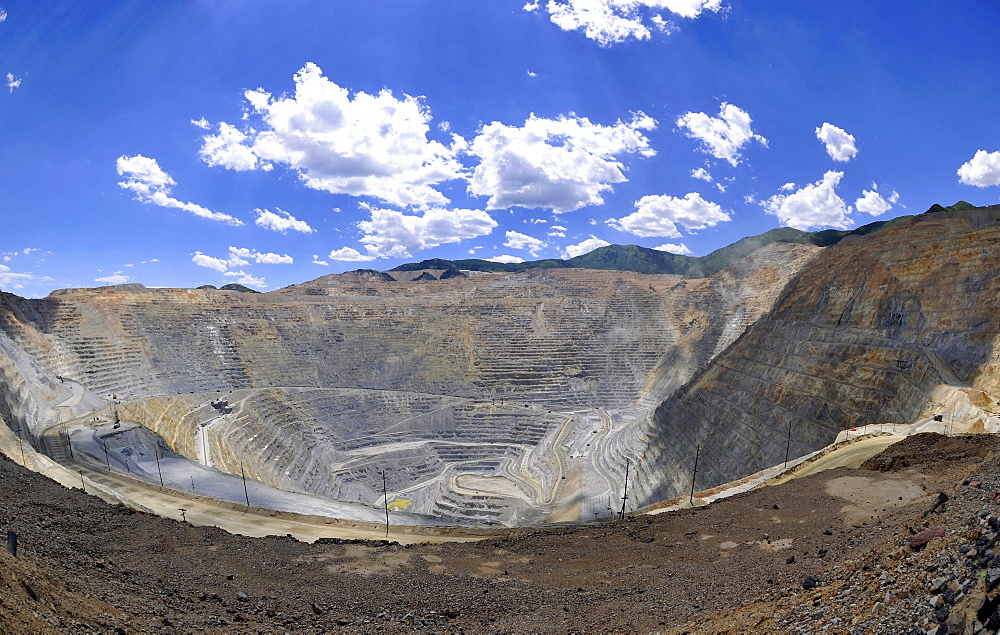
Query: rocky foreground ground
905	546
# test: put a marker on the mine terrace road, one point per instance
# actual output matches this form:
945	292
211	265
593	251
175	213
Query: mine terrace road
257	522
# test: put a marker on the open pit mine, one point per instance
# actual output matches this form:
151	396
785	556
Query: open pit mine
492	398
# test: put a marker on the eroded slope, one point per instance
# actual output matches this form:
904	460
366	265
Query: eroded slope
861	336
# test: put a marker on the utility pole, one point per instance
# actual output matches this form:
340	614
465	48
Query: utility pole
694	475
245	492
621	515
107	457
20	442
156	453
788	444
83	483
204	444
385	496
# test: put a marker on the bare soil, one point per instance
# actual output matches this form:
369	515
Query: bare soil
85	566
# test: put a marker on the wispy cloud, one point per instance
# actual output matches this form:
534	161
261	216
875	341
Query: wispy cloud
150	184
281	221
18	280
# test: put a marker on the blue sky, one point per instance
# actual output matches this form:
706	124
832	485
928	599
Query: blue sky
269	143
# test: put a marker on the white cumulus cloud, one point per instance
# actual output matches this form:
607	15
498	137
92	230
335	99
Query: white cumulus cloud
364	145
239	257
722	136
247	279
557	231
202	260
517	240
839	145
281	221
236	254
317	261
349	254
585	247
201	123
814	206
115	278
610	22
659	215
871	202
982	170
507	260
13	82
562	164
680	249
150	184
702	174
227	149
393	234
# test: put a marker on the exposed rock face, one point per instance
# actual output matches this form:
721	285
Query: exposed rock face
860	336
492	397
517	398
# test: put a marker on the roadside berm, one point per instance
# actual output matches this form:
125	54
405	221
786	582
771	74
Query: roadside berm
837	549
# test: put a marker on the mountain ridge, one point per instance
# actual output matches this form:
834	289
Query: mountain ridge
652	261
